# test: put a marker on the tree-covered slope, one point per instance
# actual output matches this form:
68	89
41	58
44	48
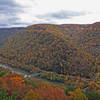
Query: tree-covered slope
87	37
48	47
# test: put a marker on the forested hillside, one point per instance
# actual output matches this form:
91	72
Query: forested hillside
88	38
65	49
66	57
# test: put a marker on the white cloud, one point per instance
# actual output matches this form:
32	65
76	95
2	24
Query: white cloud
32	8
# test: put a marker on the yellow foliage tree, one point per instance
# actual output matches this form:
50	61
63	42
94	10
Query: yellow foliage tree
32	95
77	95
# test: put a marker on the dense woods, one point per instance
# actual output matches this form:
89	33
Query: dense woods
16	87
66	57
59	48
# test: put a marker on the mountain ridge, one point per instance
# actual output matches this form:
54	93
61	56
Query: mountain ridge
65	49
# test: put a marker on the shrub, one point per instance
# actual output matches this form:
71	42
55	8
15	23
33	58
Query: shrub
92	95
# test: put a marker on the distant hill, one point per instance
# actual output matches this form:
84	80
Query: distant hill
6	32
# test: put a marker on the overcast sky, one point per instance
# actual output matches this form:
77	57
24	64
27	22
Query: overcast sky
27	12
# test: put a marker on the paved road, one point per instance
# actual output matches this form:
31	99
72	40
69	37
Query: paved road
14	71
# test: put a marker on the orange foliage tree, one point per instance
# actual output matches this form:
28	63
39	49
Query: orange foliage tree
48	92
14	84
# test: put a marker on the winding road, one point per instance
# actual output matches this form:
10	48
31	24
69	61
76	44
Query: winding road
13	70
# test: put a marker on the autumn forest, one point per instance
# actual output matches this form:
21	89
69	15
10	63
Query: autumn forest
50	62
